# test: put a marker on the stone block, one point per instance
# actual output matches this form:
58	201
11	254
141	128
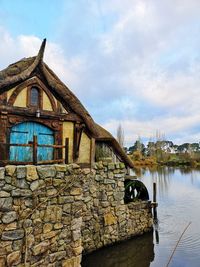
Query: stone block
5	204
67	208
109	219
4	194
53	214
10	170
31	173
72	262
34	185
87	199
55	257
40	248
21	193
51	192
110	175
60	175
61	167
78	250
9	217
58	226
57	182
119	176
46	171
118	196
8	187
14	258
74	166
99	178
13	235
2	173
86	171
3	261
76	191
47	227
8	179
21	172
11	226
111	166
121	165
76	224
76	235
49	235
21	183
65	199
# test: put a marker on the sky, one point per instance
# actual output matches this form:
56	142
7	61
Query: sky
130	62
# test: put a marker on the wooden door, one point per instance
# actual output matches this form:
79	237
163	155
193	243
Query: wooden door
23	134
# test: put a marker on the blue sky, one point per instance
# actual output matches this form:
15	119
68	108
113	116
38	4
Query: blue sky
132	62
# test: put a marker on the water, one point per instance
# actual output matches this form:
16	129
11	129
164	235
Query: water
178	196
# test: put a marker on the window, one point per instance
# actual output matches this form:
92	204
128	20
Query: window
34	97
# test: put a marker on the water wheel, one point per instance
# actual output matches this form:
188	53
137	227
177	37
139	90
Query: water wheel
135	190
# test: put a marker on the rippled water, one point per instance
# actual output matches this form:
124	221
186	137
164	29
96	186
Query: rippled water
179	203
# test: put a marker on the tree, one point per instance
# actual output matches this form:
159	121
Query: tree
120	135
138	146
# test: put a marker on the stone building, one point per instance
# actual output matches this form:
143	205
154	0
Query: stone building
39	112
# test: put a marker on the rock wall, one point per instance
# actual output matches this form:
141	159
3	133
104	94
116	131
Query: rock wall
106	219
50	214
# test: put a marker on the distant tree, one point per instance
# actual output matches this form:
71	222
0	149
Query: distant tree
195	147
183	148
137	155
151	148
138	146
120	135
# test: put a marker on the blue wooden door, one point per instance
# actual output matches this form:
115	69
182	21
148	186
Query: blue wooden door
23	134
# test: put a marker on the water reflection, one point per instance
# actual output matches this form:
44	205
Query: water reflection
136	252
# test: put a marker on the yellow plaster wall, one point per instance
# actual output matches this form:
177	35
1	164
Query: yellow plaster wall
68	132
9	93
84	152
21	99
46	102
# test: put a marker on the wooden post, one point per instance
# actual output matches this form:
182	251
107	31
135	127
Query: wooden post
35	144
66	150
154	202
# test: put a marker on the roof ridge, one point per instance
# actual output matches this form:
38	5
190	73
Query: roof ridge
11	80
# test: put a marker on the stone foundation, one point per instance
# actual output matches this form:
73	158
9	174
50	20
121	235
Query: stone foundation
49	215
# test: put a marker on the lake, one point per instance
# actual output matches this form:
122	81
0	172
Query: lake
178	197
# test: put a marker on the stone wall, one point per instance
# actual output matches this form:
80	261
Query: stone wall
106	219
50	214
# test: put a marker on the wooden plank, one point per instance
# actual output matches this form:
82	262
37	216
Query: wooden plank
35	149
6	162
51	161
12	162
154	200
53	146
45	114
84	165
24	145
66	150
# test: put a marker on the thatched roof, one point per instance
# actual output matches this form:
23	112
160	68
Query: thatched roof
26	68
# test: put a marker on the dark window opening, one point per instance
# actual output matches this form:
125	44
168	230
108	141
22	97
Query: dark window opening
34	97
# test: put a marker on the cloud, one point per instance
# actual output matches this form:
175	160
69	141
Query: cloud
135	62
13	49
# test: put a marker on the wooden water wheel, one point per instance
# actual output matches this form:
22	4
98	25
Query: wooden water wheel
135	190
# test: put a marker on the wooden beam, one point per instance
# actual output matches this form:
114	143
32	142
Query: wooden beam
35	144
66	150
